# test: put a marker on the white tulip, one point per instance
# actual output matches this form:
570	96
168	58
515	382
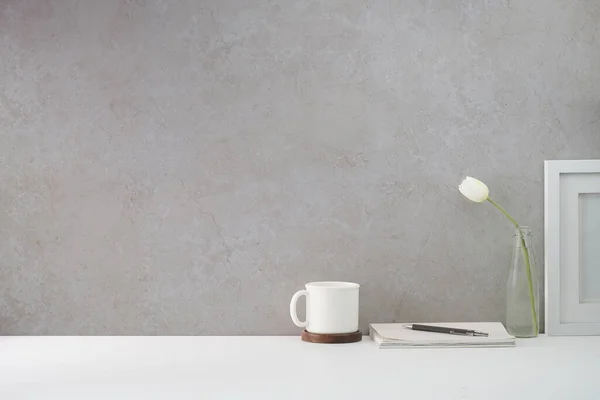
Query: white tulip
474	190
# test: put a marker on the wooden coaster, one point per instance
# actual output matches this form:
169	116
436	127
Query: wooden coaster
331	338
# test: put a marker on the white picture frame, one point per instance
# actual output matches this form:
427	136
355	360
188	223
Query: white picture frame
572	246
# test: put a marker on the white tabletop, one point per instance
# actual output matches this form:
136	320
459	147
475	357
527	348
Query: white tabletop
287	368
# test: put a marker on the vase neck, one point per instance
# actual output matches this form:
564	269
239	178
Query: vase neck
522	236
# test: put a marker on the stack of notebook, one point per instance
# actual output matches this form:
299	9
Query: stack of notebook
390	336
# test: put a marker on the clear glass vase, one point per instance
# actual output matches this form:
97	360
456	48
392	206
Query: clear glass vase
522	288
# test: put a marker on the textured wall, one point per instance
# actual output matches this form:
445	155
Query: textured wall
183	167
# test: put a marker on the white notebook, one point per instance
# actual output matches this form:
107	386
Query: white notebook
398	335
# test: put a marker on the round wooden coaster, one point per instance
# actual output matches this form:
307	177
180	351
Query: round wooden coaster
331	338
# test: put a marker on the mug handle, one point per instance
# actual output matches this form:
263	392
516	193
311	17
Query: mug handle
293	303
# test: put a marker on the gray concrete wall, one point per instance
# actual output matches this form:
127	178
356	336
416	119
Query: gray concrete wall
183	167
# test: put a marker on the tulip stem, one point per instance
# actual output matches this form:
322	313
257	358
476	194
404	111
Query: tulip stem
527	263
504	212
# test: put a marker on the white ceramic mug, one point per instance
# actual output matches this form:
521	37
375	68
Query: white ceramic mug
331	307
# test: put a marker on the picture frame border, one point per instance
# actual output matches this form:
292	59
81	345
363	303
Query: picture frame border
553	169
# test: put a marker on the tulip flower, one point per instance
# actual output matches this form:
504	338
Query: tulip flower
474	190
478	192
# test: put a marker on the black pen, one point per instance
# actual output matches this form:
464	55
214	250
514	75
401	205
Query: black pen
444	329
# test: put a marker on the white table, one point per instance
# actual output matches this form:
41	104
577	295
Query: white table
283	368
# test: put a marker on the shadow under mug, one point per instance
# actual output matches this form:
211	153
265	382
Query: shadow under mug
331	307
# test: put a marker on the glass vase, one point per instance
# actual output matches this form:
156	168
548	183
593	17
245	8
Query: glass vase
522	288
